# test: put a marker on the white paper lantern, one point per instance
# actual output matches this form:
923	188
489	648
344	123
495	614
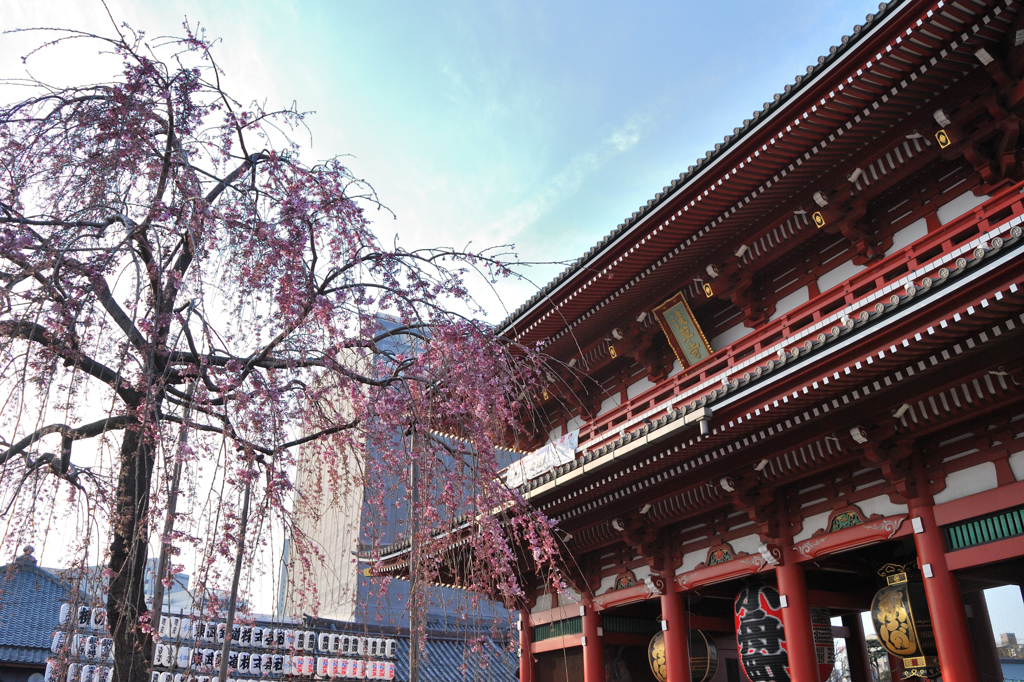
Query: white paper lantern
98	619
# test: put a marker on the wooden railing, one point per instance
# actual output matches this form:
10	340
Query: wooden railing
820	313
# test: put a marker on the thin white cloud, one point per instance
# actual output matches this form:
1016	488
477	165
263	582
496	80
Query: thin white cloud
570	178
627	135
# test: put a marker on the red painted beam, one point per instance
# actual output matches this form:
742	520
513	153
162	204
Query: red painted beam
989	553
556	643
710	624
626	638
980	504
840	600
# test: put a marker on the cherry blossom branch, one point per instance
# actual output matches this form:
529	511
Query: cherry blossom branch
30	331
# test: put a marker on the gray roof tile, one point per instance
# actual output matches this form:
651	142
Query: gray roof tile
30	600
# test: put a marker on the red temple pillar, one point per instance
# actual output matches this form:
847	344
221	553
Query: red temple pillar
676	633
895	667
949	621
593	647
796	612
983	640
525	656
857	649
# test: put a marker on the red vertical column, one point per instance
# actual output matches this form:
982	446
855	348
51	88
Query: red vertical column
676	633
857	649
949	621
593	647
796	613
895	667
525	657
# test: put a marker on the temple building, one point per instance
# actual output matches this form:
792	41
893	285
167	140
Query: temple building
793	379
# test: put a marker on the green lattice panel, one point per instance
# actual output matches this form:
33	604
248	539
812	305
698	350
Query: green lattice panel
560	628
635	626
990	528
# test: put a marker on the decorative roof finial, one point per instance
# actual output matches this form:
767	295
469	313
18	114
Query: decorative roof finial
26	556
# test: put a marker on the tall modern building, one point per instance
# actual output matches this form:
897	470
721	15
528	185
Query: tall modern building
337	523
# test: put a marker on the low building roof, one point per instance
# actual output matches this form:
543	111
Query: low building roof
30	599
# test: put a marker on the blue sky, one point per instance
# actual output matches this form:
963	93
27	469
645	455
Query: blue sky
539	123
542	124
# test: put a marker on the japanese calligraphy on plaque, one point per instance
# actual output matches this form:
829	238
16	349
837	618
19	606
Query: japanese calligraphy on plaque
682	331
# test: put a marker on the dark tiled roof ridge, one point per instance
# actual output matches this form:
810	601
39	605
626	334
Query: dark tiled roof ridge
33	568
780	100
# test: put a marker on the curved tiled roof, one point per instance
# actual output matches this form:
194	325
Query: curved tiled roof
30	599
778	101
807	348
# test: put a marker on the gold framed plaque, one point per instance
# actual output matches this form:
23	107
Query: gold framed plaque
682	331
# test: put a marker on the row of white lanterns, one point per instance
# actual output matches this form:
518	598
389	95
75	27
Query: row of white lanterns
85	617
254	636
324	668
78	672
83	646
246	663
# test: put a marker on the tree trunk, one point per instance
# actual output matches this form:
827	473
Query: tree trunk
126	600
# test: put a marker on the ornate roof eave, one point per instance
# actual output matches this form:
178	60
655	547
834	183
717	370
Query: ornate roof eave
713	158
996	252
700	407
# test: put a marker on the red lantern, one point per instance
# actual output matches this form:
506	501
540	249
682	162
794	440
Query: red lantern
759	634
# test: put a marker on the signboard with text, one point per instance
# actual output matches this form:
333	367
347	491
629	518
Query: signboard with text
556	453
682	331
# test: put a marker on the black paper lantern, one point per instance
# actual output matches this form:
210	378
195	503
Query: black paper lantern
900	615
